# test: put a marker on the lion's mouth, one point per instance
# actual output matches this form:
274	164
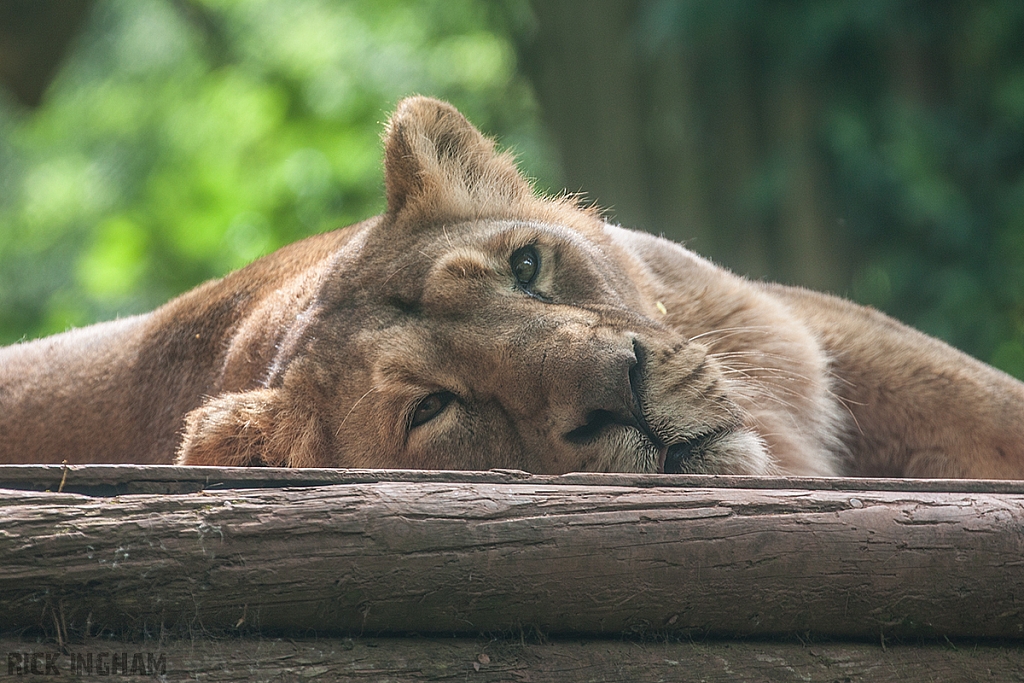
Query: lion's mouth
688	456
696	453
673	459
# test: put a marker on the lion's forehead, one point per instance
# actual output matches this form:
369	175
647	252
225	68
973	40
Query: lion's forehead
438	260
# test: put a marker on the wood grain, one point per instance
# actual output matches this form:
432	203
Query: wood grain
470	557
109	480
411	660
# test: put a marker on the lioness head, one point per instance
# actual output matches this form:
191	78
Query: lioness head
476	325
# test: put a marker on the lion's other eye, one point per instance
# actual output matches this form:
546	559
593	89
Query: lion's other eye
430	407
525	264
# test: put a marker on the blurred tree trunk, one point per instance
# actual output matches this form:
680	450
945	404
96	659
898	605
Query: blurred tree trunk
803	233
585	72
688	138
34	37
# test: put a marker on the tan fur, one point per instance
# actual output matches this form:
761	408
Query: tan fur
626	353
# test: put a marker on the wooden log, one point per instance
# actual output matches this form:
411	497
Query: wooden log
411	660
110	480
471	557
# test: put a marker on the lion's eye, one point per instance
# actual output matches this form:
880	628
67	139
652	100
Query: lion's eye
430	407
525	264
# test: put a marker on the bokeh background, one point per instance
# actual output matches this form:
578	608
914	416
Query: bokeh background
872	148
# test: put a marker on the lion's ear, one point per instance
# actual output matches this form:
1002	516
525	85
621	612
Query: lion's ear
250	428
436	162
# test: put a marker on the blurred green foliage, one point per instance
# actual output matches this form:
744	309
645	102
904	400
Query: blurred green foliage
919	128
925	148
183	140
873	147
920	131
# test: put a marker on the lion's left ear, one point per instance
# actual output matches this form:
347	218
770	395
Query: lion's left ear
250	428
438	164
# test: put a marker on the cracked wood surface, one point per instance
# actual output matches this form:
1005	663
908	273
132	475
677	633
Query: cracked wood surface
401	660
478	556
109	480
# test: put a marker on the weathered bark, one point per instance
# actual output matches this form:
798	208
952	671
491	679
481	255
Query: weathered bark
442	659
437	557
111	480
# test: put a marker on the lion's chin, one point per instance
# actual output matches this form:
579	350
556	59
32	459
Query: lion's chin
733	452
721	452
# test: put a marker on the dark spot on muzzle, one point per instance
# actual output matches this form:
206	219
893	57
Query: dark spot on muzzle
596	422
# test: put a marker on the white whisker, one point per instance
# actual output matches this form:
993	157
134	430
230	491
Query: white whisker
731	332
368	392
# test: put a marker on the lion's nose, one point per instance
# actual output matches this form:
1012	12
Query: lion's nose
608	399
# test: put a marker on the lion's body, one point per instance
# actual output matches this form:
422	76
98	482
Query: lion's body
475	325
117	392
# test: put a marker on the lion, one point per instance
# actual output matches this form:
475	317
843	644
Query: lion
477	324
